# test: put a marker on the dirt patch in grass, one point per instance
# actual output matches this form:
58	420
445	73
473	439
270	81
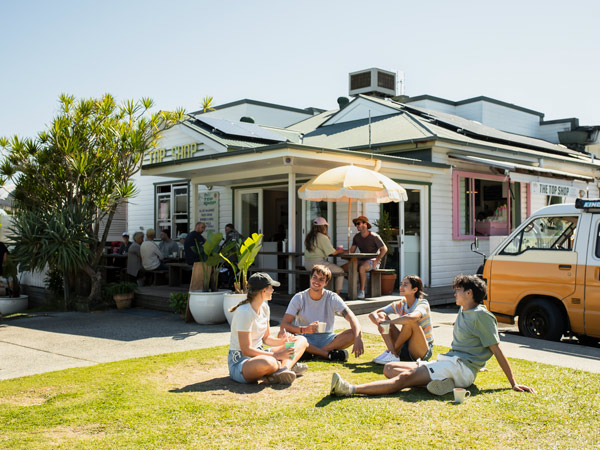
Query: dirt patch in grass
60	435
31	397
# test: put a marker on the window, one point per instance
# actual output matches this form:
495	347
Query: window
544	233
598	243
172	209
484	205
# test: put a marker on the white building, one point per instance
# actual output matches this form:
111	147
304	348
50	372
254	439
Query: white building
464	177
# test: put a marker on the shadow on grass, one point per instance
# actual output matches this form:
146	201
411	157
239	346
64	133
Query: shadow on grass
227	384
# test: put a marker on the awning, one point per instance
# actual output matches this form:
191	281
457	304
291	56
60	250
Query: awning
515	168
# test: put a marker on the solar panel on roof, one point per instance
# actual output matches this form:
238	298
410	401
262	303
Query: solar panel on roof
244	129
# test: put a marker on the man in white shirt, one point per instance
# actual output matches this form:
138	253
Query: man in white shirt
317	304
151	256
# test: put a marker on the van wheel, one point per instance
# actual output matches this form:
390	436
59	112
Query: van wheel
541	319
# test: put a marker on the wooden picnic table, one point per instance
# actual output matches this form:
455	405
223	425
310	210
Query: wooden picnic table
353	259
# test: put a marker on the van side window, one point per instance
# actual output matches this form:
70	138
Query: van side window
598	243
544	233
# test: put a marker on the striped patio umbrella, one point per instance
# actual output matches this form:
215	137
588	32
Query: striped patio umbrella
347	183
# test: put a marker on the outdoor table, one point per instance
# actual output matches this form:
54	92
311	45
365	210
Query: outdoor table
353	271
175	272
116	259
291	256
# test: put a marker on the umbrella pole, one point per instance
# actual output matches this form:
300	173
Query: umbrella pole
349	212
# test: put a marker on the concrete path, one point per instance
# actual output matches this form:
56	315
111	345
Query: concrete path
56	341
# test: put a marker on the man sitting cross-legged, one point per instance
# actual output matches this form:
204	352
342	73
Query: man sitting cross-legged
316	304
475	340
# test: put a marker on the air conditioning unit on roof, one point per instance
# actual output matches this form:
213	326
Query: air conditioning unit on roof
375	82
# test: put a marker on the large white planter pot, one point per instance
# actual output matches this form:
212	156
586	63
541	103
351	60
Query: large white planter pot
10	305
207	307
229	301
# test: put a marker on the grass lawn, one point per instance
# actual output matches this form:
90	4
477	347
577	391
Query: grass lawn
186	400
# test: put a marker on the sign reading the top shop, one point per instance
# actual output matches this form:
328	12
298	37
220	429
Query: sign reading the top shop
558	190
172	154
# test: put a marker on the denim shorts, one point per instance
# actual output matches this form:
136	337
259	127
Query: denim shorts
406	356
235	361
319	340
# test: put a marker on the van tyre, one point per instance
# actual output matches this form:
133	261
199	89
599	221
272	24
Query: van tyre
542	319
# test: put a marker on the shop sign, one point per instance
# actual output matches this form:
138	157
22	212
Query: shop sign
172	154
208	209
558	190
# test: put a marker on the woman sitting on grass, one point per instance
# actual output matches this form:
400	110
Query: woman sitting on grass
248	361
414	340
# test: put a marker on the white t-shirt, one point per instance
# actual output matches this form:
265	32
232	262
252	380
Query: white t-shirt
151	255
306	310
246	319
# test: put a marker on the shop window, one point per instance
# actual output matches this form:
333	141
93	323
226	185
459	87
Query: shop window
598	243
172	203
544	233
484	205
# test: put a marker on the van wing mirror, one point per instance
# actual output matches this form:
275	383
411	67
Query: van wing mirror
475	244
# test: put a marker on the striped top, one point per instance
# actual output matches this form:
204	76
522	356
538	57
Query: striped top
401	308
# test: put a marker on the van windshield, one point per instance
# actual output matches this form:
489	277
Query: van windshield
544	233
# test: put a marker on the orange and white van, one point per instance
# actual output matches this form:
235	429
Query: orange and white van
547	272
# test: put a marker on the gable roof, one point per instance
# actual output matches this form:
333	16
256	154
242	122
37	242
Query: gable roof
310	110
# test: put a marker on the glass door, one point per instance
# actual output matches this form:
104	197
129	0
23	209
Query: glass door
410	223
249	211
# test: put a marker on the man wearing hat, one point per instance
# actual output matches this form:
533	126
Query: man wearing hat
124	248
366	242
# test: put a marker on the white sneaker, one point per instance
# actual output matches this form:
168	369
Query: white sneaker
385	358
361	295
340	387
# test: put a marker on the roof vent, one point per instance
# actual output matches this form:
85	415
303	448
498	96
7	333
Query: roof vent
247	119
375	82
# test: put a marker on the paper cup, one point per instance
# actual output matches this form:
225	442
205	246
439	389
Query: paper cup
386	327
290	345
321	327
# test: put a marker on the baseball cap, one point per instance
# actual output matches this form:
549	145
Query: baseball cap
261	280
362	219
125	233
320	221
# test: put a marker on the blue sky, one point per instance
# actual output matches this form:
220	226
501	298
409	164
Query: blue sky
542	55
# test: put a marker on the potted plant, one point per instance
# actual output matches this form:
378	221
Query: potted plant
206	304
12	301
384	226
122	293
246	254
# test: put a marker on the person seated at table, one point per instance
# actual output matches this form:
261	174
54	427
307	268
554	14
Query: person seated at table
366	242
475	339
167	246
134	257
124	247
151	255
318	248
181	242
231	234
248	361
317	304
414	339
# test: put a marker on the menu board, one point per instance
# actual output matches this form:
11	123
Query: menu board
208	210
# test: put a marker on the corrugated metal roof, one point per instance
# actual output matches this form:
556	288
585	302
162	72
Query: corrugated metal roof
310	124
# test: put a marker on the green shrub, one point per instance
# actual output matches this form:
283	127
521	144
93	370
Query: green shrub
178	302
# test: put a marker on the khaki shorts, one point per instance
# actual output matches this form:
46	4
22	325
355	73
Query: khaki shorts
450	367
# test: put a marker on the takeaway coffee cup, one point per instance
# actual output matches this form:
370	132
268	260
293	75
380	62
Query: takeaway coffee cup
460	395
321	327
386	328
290	345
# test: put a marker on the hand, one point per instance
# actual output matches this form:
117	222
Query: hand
284	335
358	348
523	388
311	328
284	354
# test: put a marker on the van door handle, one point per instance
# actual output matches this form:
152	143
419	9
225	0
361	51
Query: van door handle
564	266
